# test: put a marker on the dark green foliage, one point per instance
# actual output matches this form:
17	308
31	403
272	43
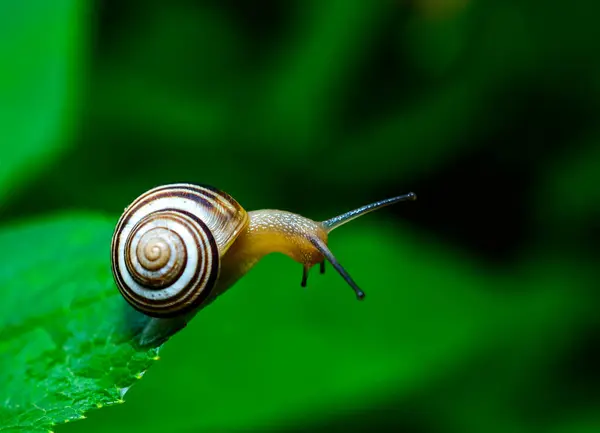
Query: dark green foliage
480	314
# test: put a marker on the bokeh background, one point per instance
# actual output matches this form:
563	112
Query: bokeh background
481	310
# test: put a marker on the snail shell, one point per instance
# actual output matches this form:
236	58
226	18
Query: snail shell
168	244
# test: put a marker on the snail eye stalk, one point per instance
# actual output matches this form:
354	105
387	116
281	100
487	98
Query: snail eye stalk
320	245
335	222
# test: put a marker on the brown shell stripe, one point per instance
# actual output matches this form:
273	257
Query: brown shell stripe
187	300
200	194
163	215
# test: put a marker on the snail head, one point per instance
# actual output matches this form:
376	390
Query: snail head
305	240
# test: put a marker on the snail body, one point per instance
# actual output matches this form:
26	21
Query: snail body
177	247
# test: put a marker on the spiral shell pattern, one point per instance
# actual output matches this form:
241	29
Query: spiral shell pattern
167	246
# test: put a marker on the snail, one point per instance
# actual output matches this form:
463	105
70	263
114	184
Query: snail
177	247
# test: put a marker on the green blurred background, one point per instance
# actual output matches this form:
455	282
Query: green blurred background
481	309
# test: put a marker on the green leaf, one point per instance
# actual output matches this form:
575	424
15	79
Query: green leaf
71	349
40	49
66	334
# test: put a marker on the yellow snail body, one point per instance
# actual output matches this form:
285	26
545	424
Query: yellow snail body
177	247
